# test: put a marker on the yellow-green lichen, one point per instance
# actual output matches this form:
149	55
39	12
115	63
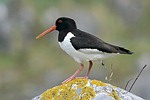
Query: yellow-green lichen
87	92
98	83
80	82
68	91
114	94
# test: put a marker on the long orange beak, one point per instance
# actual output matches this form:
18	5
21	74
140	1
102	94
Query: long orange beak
46	32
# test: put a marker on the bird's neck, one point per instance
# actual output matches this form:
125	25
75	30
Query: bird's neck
62	34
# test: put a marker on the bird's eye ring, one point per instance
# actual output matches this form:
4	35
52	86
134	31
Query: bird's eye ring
59	21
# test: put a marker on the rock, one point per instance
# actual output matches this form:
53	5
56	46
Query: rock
86	89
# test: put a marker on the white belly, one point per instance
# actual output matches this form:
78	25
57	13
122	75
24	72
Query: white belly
80	55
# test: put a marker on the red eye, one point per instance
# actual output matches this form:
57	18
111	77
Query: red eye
59	21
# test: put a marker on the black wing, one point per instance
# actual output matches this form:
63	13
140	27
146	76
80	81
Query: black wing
83	40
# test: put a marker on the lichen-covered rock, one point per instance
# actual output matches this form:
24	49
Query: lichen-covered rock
86	89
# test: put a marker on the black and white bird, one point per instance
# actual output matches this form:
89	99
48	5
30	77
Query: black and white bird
82	46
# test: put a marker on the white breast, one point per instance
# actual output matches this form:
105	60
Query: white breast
81	54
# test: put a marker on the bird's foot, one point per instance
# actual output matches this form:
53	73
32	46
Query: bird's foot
68	79
71	78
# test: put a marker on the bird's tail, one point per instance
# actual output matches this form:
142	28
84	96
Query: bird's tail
122	50
117	49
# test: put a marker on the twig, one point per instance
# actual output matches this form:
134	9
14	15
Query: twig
110	75
127	84
137	77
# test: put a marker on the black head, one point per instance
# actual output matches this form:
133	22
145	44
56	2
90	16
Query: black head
64	23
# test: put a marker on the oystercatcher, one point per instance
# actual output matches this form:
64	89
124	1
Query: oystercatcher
82	46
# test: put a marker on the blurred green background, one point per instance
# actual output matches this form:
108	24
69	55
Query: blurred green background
28	66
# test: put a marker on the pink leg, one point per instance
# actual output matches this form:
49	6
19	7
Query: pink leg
75	74
90	66
87	74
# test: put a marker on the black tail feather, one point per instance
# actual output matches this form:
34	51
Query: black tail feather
123	51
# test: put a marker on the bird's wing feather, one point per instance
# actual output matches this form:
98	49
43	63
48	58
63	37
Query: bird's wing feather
89	45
